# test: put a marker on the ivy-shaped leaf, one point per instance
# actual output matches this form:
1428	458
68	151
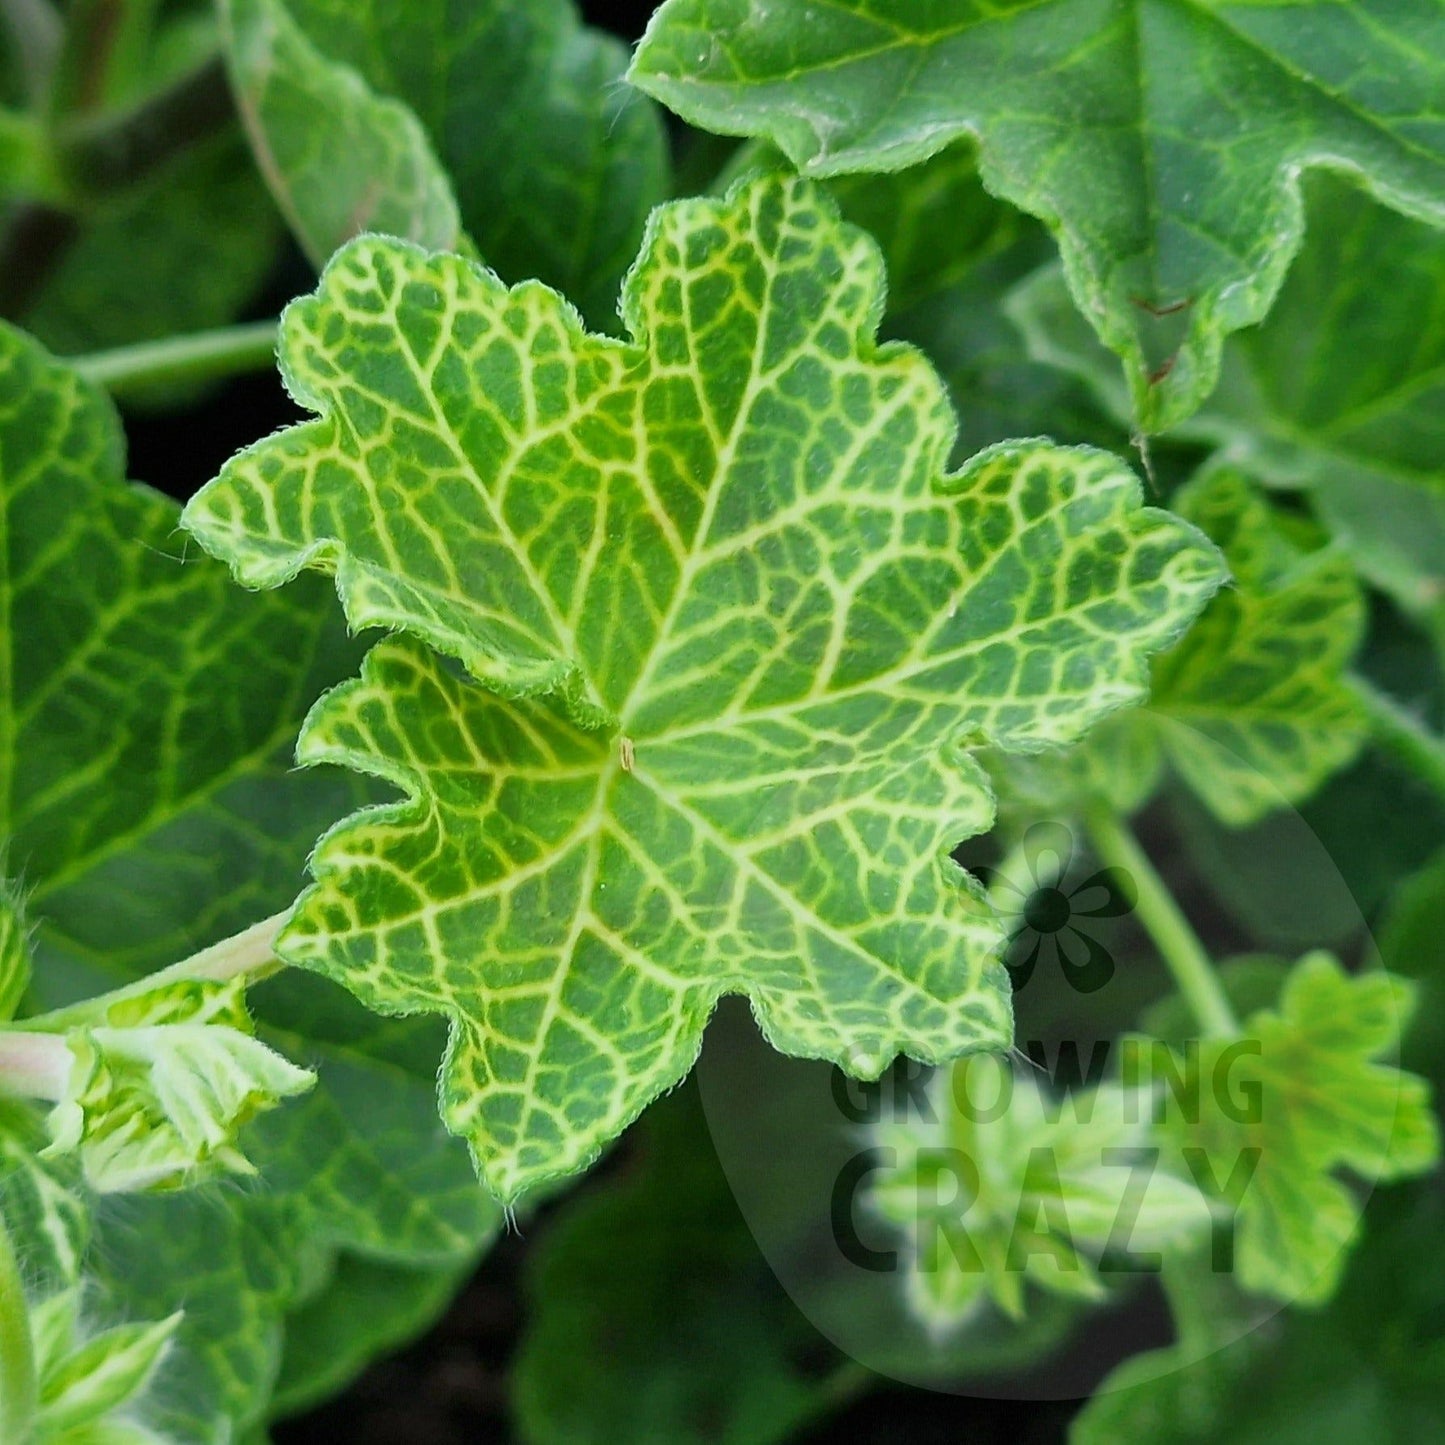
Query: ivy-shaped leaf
554	163
1161	142
1266	1119
1252	706
148	711
747	620
1003	1186
1338	392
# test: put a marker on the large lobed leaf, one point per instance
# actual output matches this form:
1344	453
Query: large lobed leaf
1160	140
147	712
734	621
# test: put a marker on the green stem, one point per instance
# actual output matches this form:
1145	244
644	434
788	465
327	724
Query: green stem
250	954
18	1388
1400	731
201	356
1176	941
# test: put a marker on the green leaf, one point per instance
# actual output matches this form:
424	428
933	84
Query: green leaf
1268	1118
42	1201
162	1085
1338	392
1412	944
155	811
555	164
14	950
138	696
728	556
1364	1372
366	1309
998	390
934	223
786	1135
186	253
1252	707
339	158
1002	1185
653	1318
1162	142
101	1375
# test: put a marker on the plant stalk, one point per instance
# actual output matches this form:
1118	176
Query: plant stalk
19	1392
201	356
250	954
1176	941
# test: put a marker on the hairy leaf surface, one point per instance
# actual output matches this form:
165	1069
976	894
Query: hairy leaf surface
1162	141
747	620
147	712
1252	707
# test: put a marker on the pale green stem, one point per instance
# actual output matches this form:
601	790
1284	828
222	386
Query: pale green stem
201	356
1156	909
18	1388
250	954
1396	728
33	1066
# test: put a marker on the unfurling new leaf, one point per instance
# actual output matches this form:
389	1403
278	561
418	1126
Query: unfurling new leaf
162	1083
1006	1186
734	623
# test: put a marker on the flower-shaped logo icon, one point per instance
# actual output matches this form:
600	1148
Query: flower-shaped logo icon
1048	909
